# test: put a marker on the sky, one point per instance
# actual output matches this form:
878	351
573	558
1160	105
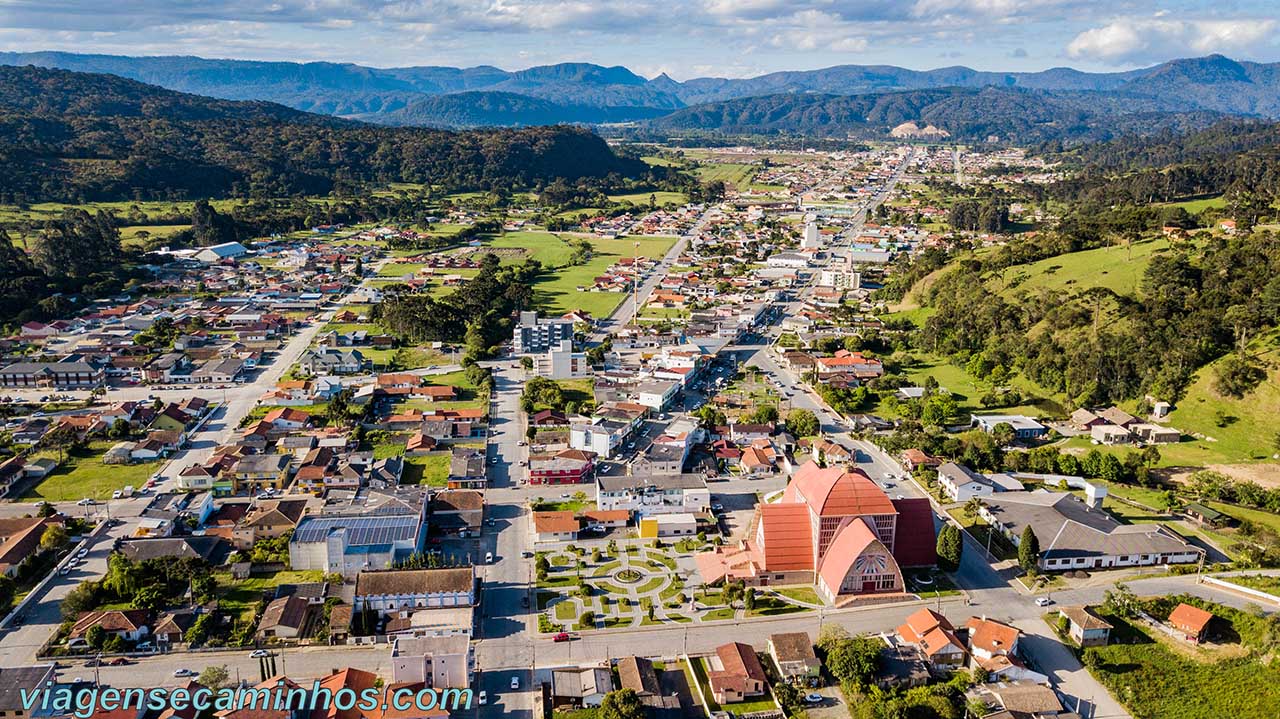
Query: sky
683	38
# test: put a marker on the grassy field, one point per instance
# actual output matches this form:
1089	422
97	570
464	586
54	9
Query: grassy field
1250	424
660	198
431	470
1115	268
557	292
142	236
968	391
1152	680
1200	205
731	173
83	474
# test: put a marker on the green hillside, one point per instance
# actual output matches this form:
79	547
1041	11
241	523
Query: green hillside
1117	268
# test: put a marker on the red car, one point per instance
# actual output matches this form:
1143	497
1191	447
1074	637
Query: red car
562	637
118	662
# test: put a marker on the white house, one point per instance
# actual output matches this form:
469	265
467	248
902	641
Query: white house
962	484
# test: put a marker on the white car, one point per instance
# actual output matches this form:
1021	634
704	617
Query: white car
184	673
259	653
814	698
488	557
85	502
483	698
117	494
515	682
1043	601
82	553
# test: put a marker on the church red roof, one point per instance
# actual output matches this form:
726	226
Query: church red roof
837	492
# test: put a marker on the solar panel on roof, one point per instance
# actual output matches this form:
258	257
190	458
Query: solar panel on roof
360	530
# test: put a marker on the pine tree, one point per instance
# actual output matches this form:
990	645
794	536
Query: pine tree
1029	550
950	545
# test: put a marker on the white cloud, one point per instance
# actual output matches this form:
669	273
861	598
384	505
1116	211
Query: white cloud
1153	39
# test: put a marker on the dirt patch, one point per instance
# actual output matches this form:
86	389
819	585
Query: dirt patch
1265	474
1208	653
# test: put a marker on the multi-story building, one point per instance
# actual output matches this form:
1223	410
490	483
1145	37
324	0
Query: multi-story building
561	362
653	494
534	335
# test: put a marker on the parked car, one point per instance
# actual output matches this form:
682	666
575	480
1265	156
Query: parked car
562	637
259	653
515	682
814	698
1043	601
119	662
184	673
483	698
488	557
86	502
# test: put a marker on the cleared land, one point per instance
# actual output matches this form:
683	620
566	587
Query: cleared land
1117	268
82	474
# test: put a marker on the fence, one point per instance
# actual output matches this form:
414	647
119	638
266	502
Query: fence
1248	591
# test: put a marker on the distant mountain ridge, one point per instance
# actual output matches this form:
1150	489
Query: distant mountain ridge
589	93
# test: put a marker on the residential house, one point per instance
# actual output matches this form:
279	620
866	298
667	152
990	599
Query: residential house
457	511
793	654
467	469
1084	627
267	519
580	686
332	360
735	673
570	466
284	618
559	526
1191	622
962	484
934	637
653	494
131	625
993	646
256	472
1024	428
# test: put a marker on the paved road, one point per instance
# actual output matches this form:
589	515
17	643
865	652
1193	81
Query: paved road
627	311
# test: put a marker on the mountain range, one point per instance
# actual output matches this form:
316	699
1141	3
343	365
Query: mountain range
593	94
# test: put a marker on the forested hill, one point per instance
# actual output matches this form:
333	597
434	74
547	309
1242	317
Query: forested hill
74	136
1238	158
1022	116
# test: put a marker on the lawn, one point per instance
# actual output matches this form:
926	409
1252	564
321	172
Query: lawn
83	474
1001	547
799	594
1153	681
772	606
431	470
242	595
695	671
718	614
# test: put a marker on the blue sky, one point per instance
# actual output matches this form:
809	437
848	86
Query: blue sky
684	38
